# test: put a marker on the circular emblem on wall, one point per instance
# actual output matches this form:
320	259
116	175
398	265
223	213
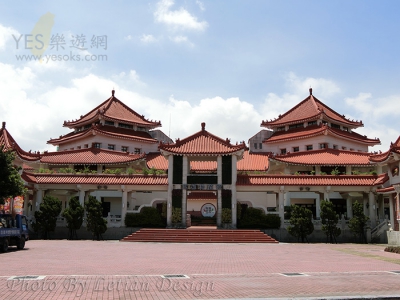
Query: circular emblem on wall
208	210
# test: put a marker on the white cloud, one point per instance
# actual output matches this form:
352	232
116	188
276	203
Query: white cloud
6	36
177	19
128	37
147	38
180	39
201	5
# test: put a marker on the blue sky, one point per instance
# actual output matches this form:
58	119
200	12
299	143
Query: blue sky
230	64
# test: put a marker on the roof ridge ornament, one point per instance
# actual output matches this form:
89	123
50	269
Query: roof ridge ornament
203	126
112	92
310	90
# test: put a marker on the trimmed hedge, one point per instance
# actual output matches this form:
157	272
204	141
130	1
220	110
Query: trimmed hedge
148	217
256	218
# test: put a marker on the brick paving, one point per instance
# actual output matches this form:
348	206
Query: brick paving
116	270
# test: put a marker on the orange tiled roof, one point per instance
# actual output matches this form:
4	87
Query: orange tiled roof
112	110
10	144
307	110
317	180
96	179
381	157
250	162
90	156
386	190
202	143
111	131
327	156
315	130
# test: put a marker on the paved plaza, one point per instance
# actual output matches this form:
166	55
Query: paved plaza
61	269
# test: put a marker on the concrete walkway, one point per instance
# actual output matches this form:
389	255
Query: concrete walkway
115	270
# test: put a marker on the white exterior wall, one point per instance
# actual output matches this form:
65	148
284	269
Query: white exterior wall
258	138
315	142
105	140
139	198
258	199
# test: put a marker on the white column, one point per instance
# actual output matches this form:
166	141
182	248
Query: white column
281	204
219	192
391	210
185	168
39	198
82	197
99	169
124	203
372	214
170	188
317	170
286	198
317	206
233	190
349	206
348	170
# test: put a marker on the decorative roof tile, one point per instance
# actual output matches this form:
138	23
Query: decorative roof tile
96	179
111	131
317	180
310	109
202	143
112	110
90	156
201	196
328	156
382	157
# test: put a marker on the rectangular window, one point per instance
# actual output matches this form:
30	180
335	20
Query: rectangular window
283	151
260	145
87	126
344	148
111	147
323	146
138	150
282	128
124	149
333	125
335	146
312	123
123	125
110	123
97	145
255	145
309	147
86	146
296	125
296	149
345	128
79	147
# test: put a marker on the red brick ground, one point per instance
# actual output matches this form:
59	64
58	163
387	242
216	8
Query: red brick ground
115	270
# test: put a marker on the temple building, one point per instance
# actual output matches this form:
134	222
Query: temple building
308	154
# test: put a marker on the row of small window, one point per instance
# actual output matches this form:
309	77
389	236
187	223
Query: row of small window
310	147
123	125
109	147
257	144
299	125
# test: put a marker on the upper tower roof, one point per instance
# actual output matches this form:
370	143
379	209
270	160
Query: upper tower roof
202	143
9	143
308	110
112	110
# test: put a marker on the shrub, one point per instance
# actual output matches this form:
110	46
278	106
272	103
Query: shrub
226	215
393	249
148	217
176	215
256	218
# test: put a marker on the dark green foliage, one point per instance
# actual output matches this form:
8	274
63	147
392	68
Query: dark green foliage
256	218
74	216
300	222
11	184
46	216
148	217
329	220
95	223
358	223
287	212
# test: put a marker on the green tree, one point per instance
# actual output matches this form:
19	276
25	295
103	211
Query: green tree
95	223
74	216
46	216
358	223
329	220
11	184
300	222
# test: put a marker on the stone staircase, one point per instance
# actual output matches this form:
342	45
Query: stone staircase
198	235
